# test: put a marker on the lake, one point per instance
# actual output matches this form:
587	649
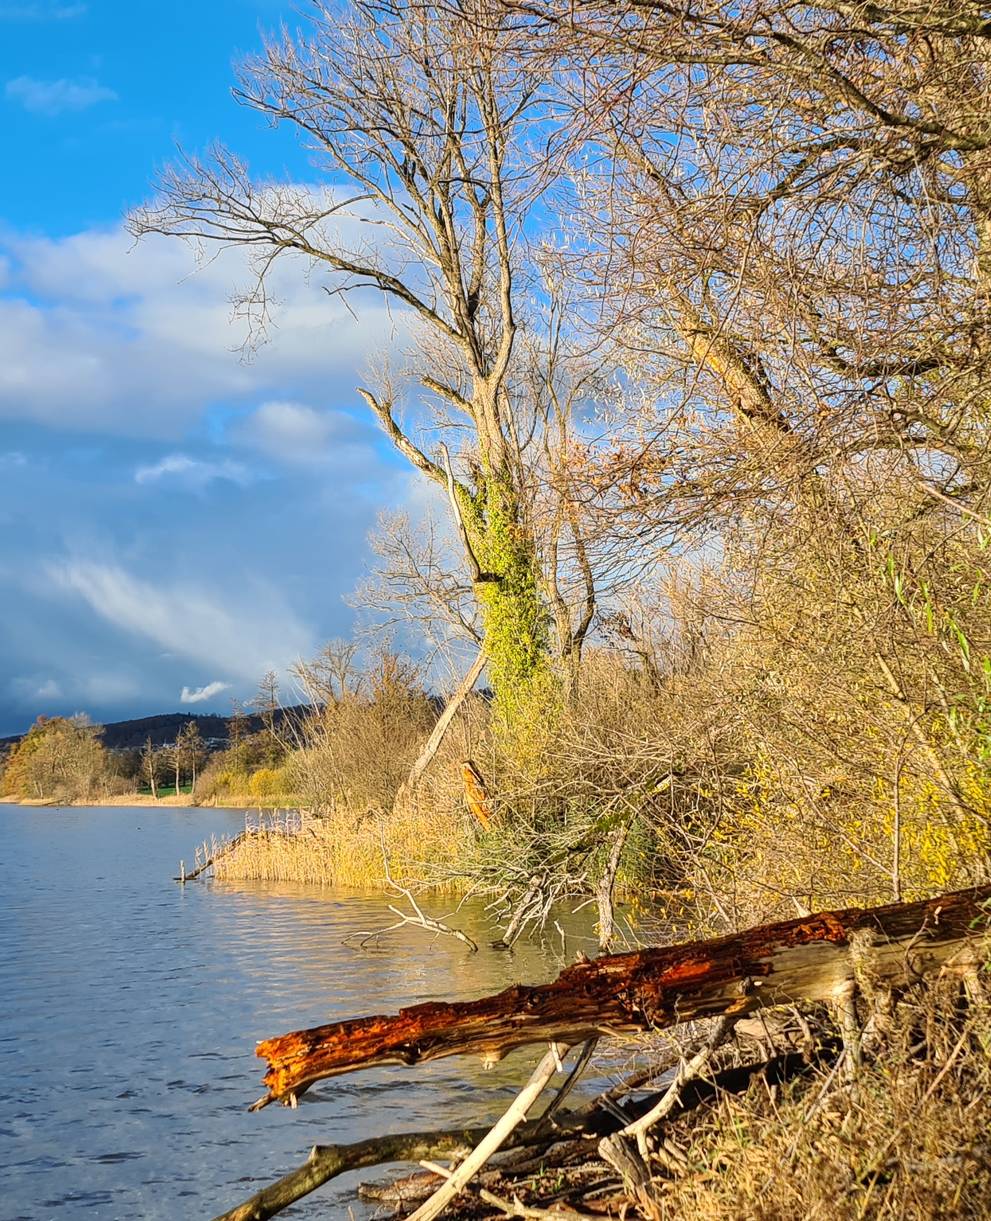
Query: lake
131	1007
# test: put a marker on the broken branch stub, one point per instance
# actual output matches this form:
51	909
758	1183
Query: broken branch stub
808	959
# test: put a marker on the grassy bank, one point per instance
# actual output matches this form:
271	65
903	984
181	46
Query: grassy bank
183	801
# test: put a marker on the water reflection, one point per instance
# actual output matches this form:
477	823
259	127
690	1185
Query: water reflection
132	1006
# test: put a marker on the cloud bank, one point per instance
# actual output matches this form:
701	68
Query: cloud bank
98	333
167	507
244	638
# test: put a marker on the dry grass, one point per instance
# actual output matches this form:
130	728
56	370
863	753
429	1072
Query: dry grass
910	1139
343	850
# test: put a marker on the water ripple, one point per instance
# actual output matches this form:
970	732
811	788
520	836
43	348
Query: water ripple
132	1006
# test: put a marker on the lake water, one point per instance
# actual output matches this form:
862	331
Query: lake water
130	1006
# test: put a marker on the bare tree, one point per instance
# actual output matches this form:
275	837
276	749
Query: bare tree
416	579
796	258
187	753
424	112
151	761
333	675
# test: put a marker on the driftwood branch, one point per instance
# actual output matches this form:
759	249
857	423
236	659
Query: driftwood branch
494	1139
419	919
328	1161
807	959
514	1207
687	1071
593	1120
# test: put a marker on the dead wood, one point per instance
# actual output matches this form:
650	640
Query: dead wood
419	919
625	1159
432	744
411	1189
328	1161
495	1138
476	795
805	959
688	1070
586	1125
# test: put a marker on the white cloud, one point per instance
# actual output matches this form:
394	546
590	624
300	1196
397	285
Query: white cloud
292	430
302	436
56	97
49	690
192	472
98	333
258	632
12	458
197	695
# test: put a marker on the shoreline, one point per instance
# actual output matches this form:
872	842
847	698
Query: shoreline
146	800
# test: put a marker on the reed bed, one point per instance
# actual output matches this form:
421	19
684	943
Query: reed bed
342	849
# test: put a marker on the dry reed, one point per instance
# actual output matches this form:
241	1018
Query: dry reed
344	850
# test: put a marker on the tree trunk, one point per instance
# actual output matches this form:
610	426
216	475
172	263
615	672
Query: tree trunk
813	958
432	744
514	618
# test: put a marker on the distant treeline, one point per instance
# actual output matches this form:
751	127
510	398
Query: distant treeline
163	728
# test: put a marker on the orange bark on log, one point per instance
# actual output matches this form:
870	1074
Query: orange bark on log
813	958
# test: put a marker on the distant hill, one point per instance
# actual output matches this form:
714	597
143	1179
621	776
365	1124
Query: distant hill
162	729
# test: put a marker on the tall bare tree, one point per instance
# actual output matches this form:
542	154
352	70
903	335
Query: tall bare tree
421	115
151	763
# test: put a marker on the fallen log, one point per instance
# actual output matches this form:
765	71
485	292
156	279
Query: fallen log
811	958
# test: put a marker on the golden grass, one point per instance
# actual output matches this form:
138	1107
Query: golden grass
346	850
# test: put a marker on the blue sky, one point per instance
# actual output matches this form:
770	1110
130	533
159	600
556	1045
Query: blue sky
173	519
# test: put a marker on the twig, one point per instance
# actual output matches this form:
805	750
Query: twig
515	1207
687	1071
579	1067
524	912
420	919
